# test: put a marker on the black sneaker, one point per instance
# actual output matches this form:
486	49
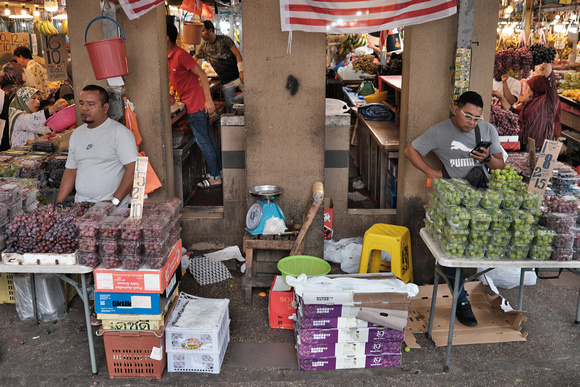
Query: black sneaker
465	315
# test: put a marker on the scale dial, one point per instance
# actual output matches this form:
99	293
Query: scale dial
253	216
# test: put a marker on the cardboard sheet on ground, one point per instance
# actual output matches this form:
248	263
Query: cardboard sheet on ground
494	326
566	278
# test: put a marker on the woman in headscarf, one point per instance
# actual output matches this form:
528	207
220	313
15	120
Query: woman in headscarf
25	121
540	115
11	79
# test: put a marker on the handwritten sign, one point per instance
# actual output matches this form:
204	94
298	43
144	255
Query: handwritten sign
544	166
55	56
139	187
9	41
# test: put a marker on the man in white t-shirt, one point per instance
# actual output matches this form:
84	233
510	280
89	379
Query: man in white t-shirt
506	91
102	154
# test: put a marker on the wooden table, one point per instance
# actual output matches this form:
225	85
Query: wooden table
442	260
60	271
392	83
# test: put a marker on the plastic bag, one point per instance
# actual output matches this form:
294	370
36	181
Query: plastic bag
274	226
50	300
507	277
152	182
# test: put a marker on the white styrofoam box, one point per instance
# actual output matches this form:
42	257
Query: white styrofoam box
197	324
206	362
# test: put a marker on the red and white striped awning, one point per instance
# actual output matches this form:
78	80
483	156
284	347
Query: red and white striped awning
360	16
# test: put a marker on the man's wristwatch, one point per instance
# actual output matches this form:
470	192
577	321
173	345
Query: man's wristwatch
486	160
115	201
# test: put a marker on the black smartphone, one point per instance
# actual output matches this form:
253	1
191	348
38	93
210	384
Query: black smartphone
481	145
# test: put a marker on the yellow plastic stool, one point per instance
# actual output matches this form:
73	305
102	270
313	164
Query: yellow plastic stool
394	239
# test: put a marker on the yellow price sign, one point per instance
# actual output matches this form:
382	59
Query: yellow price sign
138	193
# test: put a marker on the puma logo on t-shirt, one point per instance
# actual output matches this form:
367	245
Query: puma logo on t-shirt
457	145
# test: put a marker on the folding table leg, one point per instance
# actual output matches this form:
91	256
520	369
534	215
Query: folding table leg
458	274
433	300
85	298
578	310
34	300
521	295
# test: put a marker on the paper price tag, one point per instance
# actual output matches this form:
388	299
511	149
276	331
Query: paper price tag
544	166
139	187
156	353
559	44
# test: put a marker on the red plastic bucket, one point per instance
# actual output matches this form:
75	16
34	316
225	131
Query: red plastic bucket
108	56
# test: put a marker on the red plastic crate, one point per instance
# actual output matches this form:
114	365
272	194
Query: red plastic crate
129	353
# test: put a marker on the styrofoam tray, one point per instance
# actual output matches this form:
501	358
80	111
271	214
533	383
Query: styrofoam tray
39	259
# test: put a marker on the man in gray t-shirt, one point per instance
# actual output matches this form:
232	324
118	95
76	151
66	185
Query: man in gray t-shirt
453	141
102	154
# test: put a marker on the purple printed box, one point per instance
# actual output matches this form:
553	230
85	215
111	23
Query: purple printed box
358	335
319	310
337	363
334	322
375	348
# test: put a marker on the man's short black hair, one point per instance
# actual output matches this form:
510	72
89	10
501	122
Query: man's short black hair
23	52
103	95
209	25
470	97
172	32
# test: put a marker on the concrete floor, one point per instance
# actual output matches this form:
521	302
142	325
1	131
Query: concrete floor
57	354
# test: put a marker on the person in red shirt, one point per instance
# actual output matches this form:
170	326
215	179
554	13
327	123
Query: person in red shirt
191	83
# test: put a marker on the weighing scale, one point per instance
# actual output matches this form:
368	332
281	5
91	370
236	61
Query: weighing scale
263	209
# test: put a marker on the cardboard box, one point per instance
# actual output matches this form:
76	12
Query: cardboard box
493	325
358	335
144	280
280	307
139	322
136	303
328	218
60	142
339	363
382	300
327	311
313	351
334	323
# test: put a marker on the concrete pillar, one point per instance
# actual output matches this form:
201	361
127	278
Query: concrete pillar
147	83
284	126
426	100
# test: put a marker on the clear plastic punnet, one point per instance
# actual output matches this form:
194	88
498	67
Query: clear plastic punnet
475	250
564	241
110	227
452	249
541	252
561	222
156	226
501	237
522	237
471	196
132	229
561	254
500	220
458	217
480	219
512	200
495	251
522	220
450	195
479	236
543	236
456	234
491	199
532	200
517	252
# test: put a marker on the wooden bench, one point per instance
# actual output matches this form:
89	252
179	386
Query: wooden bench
262	277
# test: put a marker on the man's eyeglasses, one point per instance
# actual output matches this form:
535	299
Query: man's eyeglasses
471	118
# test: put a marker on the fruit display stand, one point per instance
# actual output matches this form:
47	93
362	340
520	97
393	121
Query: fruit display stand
60	271
442	261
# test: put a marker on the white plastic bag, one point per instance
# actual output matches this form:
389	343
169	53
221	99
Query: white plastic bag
507	277
346	252
274	226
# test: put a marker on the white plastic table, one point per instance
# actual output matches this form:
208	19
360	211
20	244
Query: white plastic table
60	271
442	260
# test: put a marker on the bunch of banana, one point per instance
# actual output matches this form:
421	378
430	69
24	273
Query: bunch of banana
350	42
46	27
64	27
